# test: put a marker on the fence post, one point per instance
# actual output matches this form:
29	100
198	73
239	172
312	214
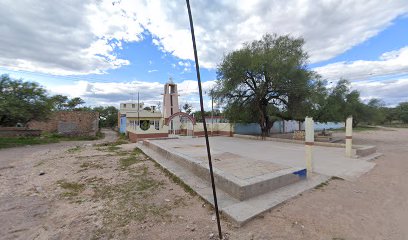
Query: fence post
349	137
309	142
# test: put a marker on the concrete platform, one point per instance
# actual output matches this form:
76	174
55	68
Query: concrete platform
240	177
329	161
252	176
239	212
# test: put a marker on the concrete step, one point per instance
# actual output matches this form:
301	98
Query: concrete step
371	157
364	151
238	188
239	212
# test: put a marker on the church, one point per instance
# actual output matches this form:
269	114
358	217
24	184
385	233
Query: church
140	122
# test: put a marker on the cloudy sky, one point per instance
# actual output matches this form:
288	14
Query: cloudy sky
107	51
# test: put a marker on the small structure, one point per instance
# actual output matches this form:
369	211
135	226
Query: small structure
139	123
70	123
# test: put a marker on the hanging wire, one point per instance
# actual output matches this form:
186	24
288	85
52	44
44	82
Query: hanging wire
203	118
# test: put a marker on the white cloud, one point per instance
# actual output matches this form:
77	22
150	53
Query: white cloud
184	64
391	91
389	63
81	37
329	27
152	71
112	93
60	37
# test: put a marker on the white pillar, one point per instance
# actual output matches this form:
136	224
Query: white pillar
349	137
309	142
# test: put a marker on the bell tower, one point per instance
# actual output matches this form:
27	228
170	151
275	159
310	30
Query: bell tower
170	99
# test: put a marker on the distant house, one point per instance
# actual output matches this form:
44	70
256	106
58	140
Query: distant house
132	116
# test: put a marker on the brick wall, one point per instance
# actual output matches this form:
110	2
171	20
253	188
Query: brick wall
133	137
18	132
73	123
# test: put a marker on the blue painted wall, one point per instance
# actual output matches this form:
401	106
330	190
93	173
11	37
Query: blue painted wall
122	124
290	126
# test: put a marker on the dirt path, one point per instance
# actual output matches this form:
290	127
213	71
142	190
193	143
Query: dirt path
91	191
373	207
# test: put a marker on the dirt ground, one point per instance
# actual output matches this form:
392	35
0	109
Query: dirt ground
95	190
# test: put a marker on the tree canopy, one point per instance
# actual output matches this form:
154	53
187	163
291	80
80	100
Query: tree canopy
21	102
267	78
108	116
188	108
402	109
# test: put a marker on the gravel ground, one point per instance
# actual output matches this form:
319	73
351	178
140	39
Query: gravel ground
95	190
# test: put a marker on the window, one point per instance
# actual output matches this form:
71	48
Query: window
124	105
132	123
133	105
156	124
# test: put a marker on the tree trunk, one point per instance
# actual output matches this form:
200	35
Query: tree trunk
264	122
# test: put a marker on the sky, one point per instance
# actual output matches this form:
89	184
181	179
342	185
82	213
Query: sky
108	51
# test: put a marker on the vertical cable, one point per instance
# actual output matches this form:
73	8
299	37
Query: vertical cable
203	118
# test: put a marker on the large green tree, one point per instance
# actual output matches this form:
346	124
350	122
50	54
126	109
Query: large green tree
402	109
341	102
21	102
108	116
265	79
59	102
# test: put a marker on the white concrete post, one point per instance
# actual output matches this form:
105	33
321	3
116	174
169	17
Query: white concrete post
309	142
349	137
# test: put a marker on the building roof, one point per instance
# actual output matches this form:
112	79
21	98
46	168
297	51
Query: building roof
143	114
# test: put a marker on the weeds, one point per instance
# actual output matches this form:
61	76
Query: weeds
89	165
111	146
128	161
128	201
325	183
74	149
72	188
135	157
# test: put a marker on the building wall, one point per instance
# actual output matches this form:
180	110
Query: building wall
217	129
122	124
75	123
136	134
18	132
133	137
283	127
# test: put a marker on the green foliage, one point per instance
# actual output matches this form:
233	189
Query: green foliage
8	142
402	109
187	108
74	103
263	77
58	102
340	102
108	116
71	188
63	103
21	102
197	114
